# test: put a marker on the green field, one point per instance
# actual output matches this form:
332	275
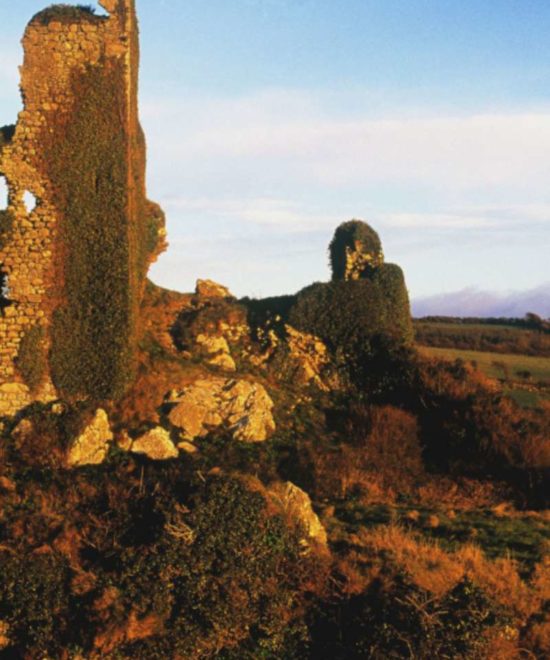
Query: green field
484	337
510	369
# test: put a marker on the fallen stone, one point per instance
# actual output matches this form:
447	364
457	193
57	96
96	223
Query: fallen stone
244	408
7	485
155	444
188	447
216	350
91	446
296	504
4	637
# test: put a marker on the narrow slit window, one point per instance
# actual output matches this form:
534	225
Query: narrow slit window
30	201
5	300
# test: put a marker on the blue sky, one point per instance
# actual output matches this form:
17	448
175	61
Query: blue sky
271	121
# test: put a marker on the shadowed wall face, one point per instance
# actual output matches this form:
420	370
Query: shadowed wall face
75	264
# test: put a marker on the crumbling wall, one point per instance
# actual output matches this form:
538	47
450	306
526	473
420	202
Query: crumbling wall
75	265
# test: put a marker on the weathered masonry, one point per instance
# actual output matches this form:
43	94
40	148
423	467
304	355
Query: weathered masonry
78	234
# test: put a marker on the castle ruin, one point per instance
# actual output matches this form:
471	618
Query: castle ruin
73	264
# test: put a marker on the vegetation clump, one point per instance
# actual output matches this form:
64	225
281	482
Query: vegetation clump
6	226
65	13
6	134
366	301
354	236
32	361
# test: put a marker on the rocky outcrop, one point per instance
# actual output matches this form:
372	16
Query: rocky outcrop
92	445
156	444
211	289
239	406
212	327
308	357
296	505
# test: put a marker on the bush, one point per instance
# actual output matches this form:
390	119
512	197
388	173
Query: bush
33	601
357	319
396	619
162	564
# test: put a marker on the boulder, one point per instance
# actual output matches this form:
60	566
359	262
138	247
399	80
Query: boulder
296	504
244	408
91	446
155	444
188	447
211	289
216	351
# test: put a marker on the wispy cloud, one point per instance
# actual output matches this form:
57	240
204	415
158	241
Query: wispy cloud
291	129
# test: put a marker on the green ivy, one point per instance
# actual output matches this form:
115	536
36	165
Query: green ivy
32	361
345	236
6	226
94	329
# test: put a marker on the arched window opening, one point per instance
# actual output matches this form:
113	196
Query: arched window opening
30	201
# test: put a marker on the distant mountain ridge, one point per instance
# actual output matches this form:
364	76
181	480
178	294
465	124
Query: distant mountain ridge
476	302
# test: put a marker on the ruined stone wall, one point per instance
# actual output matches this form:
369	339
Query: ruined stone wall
64	48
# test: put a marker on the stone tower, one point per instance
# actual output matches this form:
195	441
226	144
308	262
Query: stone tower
73	266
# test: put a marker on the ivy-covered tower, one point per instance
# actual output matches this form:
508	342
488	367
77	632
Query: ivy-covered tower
78	234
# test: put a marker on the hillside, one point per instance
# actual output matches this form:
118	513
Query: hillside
192	475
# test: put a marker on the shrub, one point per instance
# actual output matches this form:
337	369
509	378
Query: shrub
33	601
358	320
65	14
394	618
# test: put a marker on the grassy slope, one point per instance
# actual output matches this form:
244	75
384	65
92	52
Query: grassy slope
504	366
489	337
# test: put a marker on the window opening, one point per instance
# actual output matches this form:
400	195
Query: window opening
30	201
4	193
5	300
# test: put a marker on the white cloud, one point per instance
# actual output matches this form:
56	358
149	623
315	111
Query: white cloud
291	131
278	214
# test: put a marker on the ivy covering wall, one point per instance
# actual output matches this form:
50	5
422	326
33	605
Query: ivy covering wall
94	327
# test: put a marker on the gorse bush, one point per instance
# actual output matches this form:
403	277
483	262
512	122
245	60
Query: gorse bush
162	564
34	601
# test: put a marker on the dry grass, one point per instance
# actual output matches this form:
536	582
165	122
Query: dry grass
437	571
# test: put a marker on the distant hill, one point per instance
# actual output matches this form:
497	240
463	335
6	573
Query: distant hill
475	302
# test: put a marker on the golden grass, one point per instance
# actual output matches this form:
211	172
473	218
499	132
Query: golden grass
437	571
